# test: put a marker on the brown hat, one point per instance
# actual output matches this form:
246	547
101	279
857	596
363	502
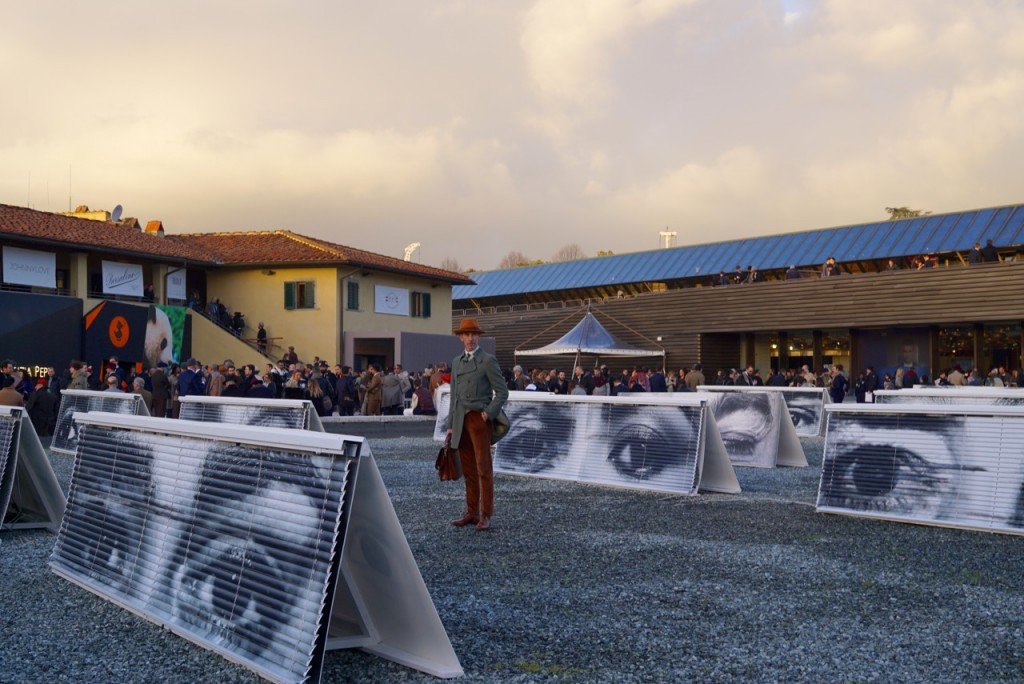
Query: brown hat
468	325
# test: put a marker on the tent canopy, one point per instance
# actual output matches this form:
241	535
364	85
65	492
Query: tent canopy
589	337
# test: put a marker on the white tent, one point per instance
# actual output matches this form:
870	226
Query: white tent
589	337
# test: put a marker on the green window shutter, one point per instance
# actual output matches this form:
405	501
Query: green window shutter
289	295
426	305
353	295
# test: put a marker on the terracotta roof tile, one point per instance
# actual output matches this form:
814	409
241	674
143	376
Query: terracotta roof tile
32	225
286	247
228	248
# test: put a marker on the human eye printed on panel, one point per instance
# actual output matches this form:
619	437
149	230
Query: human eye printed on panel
962	470
228	543
805	411
646	443
749	428
539	439
655	445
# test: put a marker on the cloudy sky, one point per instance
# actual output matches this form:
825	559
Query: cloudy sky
477	127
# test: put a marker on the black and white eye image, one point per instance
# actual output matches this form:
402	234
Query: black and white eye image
648	443
805	411
539	438
749	424
230	543
928	467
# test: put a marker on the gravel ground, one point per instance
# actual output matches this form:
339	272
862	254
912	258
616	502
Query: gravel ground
592	584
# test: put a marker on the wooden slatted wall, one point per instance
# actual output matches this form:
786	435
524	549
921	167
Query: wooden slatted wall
683	318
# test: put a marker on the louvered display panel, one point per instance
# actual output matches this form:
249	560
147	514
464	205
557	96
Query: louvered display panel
749	423
230	542
619	441
9	425
65	435
960	395
444	401
241	411
806	405
956	466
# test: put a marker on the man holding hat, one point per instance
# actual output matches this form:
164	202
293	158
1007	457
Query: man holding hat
478	392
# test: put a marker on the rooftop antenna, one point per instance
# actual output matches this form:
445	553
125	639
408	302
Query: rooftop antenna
409	249
115	215
669	236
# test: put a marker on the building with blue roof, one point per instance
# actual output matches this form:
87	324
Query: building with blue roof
858	248
957	309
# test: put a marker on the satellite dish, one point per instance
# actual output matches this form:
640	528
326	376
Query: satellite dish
116	215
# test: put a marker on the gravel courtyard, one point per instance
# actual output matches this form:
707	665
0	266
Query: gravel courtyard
584	583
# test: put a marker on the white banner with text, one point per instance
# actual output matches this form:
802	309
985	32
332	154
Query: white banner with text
30	267
122	279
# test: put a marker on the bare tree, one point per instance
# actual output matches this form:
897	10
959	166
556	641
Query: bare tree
605	252
451	264
513	259
569	252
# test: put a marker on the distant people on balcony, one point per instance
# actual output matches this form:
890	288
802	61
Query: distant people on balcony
891	265
975	256
739	275
830	268
793	273
989	253
722	279
754	275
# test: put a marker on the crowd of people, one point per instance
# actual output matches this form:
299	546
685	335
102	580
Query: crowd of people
745	276
340	390
839	383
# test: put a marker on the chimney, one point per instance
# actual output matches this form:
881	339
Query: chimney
155	228
131	222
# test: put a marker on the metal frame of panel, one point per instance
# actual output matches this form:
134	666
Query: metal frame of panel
30	494
64	440
933	464
297	414
667	443
808	416
269	546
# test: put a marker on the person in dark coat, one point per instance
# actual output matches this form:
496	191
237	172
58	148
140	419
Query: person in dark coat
348	396
658	383
838	386
989	252
261	390
42	409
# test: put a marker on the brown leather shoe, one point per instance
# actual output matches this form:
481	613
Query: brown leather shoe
484	524
467	519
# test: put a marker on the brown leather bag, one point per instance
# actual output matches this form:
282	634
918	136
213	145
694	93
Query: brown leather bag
448	463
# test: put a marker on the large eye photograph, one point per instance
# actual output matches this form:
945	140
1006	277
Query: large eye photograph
539	439
649	445
243	571
750	431
805	411
880	464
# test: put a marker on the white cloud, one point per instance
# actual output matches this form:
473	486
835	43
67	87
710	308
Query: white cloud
569	45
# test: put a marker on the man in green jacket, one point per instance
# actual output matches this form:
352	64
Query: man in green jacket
478	392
